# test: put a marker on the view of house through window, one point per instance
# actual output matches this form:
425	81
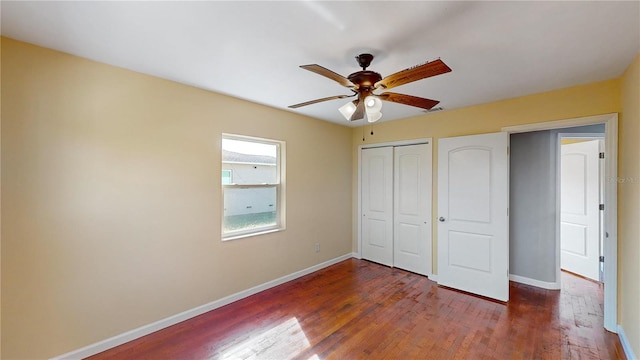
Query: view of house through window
252	188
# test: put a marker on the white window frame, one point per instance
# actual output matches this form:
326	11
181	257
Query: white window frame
279	186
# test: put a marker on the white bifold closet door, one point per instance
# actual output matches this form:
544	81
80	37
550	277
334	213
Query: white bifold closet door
396	206
377	205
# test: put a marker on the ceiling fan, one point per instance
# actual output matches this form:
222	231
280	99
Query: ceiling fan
364	82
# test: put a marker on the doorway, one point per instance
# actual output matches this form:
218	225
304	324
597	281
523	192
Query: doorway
609	216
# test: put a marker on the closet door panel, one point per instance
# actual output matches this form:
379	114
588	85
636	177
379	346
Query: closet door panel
412	208
377	205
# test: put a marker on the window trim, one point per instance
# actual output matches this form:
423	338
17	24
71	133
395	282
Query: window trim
279	186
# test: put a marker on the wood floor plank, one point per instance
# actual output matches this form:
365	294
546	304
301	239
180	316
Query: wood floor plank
361	310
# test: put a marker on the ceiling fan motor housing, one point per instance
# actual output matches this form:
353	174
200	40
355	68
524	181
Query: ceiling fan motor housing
365	79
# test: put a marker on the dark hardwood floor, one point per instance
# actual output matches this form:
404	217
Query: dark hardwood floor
357	309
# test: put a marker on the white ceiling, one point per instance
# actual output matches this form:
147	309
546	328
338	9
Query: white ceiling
252	50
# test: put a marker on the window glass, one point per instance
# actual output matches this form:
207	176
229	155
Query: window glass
253	162
249	208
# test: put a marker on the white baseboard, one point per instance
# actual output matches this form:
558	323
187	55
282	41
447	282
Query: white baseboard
534	282
626	346
188	314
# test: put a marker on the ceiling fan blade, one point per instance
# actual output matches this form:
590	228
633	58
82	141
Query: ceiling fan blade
359	113
320	100
418	72
408	100
330	74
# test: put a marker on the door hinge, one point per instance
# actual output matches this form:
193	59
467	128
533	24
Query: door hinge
601	206
601	258
601	155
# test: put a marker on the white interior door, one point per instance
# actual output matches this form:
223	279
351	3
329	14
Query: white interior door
412	208
579	208
473	224
377	205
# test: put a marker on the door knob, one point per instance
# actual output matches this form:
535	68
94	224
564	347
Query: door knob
441	219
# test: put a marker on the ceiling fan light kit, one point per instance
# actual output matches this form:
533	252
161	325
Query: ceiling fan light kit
347	110
373	106
364	82
373	118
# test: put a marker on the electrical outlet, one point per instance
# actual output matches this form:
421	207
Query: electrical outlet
317	247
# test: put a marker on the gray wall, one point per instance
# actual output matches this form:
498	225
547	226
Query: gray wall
532	214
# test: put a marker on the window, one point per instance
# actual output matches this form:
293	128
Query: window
227	177
252	186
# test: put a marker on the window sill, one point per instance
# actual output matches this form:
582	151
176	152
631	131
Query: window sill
257	233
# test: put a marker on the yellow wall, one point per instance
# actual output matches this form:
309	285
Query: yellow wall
573	141
112	202
611	96
629	206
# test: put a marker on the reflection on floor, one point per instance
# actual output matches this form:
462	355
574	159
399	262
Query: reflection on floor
283	341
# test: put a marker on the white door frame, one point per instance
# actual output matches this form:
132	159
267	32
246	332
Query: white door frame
611	202
358	253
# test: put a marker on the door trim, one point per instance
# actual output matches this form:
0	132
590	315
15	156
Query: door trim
358	252
611	206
